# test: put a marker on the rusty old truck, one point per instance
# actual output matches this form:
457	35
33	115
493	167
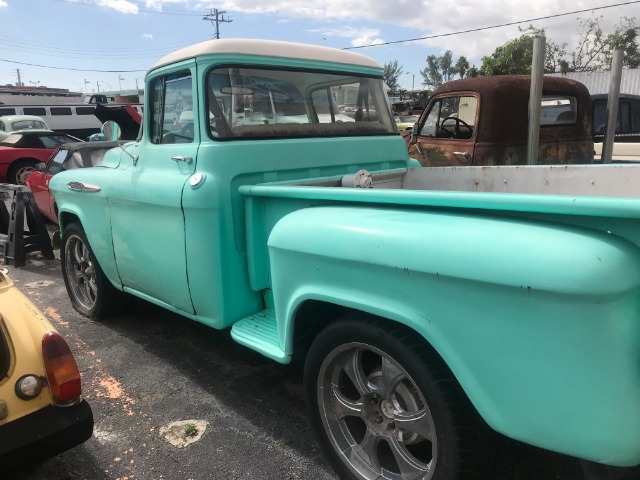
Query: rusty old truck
420	300
484	121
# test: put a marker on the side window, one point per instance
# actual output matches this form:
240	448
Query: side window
628	118
61	111
430	126
451	117
172	109
55	165
34	111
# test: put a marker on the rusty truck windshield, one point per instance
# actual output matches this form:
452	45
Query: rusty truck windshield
248	102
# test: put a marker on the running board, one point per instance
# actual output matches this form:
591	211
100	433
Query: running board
259	332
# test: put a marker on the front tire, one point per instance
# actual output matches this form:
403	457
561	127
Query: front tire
385	406
90	292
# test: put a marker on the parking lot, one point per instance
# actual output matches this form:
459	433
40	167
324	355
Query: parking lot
148	368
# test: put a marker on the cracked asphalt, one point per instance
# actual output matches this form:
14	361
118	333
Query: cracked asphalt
147	368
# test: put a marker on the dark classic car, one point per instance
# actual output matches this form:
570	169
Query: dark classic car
484	121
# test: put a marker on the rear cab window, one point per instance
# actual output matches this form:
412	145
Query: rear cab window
245	102
558	110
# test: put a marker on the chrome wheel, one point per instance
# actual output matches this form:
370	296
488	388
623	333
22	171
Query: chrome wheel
22	174
375	416
80	272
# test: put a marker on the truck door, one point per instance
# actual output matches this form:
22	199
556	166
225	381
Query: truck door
147	218
446	133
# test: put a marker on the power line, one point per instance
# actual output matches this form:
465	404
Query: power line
72	69
479	29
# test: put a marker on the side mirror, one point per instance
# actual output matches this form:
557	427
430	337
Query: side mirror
412	135
111	130
41	166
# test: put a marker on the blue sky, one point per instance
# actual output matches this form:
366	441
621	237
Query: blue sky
110	44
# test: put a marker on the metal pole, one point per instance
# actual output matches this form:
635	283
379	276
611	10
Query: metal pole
535	99
612	106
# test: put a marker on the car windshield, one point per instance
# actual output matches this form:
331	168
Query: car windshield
37	140
255	102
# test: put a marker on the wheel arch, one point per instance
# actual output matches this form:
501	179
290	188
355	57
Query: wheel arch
104	254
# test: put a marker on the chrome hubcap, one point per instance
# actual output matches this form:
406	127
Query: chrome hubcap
375	416
80	272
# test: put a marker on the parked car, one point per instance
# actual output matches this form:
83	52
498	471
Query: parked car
16	123
68	156
406	122
20	152
42	412
626	143
484	121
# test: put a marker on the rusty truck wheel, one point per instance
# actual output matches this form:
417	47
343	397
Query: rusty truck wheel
382	407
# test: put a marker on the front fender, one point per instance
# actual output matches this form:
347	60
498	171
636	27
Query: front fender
538	321
91	209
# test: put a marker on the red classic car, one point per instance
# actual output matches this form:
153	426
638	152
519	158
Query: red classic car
66	157
20	152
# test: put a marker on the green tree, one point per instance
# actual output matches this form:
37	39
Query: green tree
594	50
441	69
391	74
462	66
431	73
515	56
625	37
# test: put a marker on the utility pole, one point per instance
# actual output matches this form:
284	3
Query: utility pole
19	84
217	17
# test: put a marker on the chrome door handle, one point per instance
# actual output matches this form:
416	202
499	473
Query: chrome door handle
83	187
462	154
182	158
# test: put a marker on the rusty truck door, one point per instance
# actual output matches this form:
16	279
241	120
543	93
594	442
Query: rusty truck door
446	133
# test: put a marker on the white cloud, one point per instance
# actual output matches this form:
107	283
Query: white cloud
146	36
421	18
123	6
3	4
158	4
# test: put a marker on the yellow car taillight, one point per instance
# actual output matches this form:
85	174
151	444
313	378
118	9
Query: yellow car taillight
63	376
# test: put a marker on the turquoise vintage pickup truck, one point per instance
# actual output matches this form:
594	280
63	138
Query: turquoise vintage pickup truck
419	299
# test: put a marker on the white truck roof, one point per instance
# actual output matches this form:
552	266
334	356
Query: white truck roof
269	48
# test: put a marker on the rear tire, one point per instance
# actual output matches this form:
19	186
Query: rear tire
385	406
20	170
90	292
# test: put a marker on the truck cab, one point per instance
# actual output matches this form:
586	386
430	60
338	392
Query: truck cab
484	121
311	234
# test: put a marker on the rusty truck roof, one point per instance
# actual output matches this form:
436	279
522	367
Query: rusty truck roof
504	99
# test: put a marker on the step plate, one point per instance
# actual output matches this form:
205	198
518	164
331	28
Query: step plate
259	332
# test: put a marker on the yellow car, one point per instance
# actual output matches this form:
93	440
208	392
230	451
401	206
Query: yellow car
42	412
406	122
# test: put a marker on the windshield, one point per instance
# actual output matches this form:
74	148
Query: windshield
259	103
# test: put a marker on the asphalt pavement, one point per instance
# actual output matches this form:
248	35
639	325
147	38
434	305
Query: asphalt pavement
148	368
